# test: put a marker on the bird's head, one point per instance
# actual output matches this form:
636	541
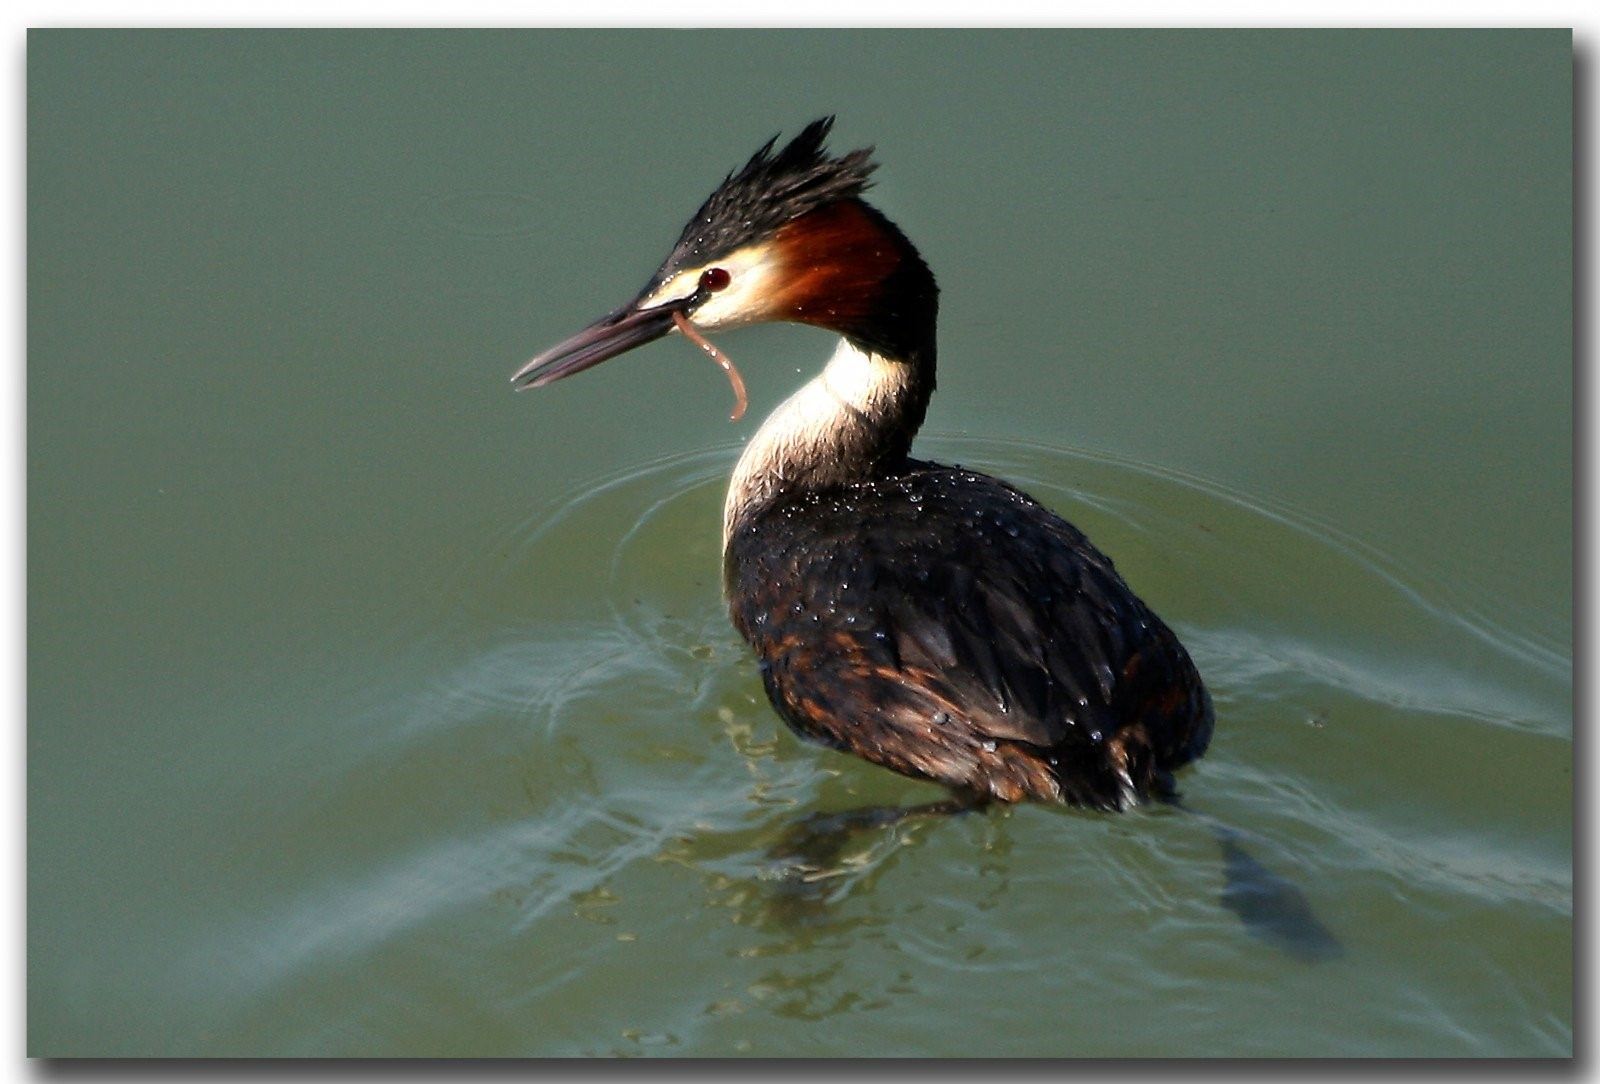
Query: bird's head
785	237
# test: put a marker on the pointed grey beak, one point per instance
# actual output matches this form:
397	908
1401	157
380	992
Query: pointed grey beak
602	340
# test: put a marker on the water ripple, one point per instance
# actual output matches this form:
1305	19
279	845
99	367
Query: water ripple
585	777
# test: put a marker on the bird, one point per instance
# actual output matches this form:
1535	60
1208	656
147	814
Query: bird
929	618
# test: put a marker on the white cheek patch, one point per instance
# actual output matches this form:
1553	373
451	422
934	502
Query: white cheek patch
751	275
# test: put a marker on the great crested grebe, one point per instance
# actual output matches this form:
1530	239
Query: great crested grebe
931	619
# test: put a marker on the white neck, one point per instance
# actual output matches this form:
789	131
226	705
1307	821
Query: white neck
824	434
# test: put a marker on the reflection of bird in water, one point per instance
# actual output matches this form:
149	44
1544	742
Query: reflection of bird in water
933	620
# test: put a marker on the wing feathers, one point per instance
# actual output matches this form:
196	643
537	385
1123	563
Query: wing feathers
944	598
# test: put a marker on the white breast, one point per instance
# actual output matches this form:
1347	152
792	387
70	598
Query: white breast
808	440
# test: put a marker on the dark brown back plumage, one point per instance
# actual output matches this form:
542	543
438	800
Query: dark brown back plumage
946	625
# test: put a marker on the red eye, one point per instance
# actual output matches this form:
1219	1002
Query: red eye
713	279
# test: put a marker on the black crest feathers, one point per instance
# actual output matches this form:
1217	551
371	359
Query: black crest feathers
772	188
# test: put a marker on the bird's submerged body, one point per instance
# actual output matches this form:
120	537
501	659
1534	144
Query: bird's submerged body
944	624
928	618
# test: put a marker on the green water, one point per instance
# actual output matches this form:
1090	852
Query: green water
375	709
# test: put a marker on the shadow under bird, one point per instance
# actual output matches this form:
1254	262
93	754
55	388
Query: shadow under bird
931	619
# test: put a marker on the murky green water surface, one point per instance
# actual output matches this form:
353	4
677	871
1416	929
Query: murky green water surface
374	709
